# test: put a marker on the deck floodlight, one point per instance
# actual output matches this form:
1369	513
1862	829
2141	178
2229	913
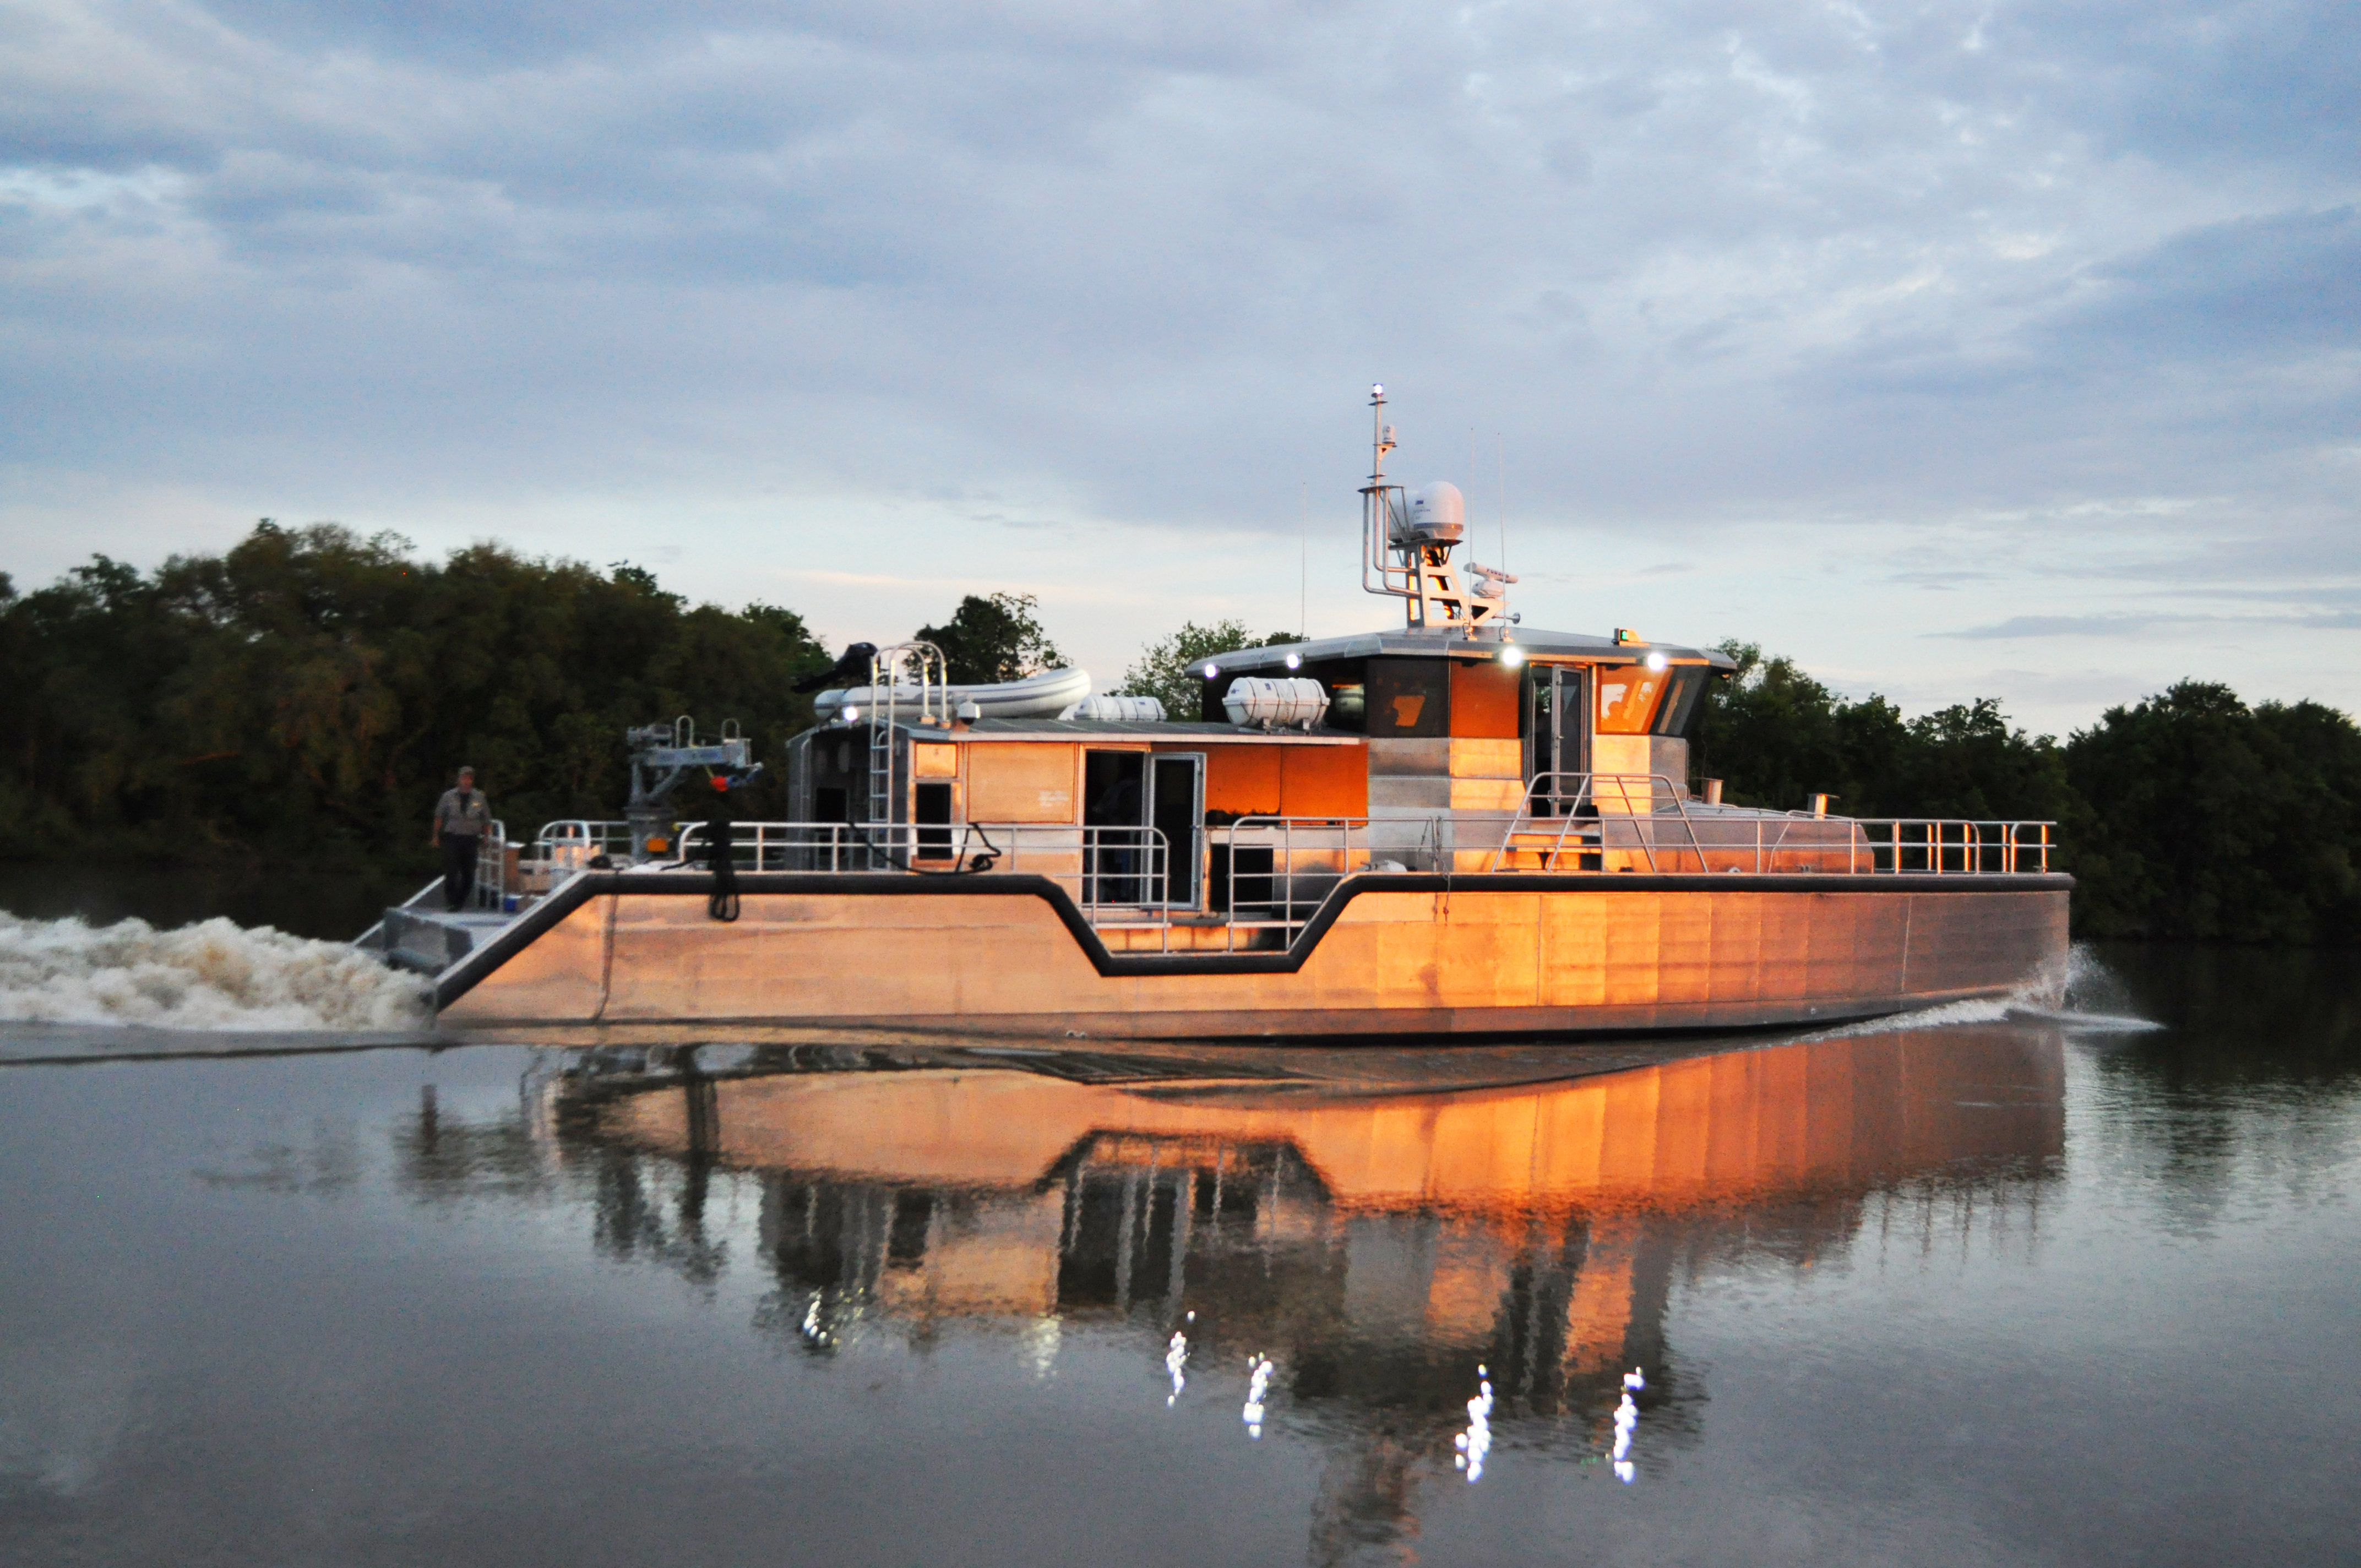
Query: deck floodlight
1212	670
851	714
1511	655
1295	661
1655	660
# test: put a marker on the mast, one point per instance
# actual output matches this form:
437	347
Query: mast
1406	545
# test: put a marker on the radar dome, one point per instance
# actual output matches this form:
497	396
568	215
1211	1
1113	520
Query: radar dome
1436	515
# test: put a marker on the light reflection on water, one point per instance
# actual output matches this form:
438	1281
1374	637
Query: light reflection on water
1371	1252
1991	1292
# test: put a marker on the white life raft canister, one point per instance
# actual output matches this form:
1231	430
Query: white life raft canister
1296	702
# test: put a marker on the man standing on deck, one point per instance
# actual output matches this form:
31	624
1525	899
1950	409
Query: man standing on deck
461	818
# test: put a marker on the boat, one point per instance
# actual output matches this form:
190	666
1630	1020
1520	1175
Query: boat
1461	826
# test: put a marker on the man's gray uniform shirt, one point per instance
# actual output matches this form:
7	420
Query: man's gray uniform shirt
469	813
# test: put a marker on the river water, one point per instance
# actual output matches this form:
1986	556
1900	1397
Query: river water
2081	1288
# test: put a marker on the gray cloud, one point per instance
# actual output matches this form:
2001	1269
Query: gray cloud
2133	624
2077	626
2078	279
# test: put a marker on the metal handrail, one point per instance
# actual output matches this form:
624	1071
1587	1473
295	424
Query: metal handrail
1755	841
794	846
1594	787
596	836
1338	847
1095	864
1309	856
1122	876
491	885
1961	845
1594	790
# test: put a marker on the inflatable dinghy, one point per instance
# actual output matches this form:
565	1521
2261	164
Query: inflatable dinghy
1045	696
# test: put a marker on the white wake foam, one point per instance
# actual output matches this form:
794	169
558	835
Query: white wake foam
214	975
1979	1010
2070	998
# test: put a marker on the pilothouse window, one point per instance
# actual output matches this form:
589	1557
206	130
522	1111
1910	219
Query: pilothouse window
1628	695
1677	713
1409	697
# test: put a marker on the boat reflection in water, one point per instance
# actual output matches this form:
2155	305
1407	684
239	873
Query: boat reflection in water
1377	1236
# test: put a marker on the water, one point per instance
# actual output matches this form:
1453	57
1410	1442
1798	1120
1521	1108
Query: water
2015	1290
213	975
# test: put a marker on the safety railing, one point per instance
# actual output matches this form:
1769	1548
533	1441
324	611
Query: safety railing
1271	873
1610	822
1115	874
1569	793
1926	845
573	840
1260	878
800	845
493	855
1256	875
1597	822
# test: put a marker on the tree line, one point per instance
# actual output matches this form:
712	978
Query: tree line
2188	816
302	697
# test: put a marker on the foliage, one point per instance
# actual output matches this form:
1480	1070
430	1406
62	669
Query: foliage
1162	670
2187	816
994	636
306	695
1776	736
2212	820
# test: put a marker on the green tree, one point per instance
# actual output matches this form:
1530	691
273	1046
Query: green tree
1771	733
994	637
304	696
1965	761
1162	669
1776	736
2210	820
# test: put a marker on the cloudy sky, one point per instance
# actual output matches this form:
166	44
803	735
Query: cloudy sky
1957	349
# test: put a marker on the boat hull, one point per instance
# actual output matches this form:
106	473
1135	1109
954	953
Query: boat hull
1386	955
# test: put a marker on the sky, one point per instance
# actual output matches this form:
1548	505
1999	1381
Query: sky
1954	350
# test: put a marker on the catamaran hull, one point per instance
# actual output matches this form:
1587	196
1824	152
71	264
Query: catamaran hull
1386	955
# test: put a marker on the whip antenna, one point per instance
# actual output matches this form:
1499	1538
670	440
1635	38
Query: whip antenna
1501	451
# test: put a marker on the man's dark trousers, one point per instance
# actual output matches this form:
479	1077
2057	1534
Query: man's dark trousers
458	867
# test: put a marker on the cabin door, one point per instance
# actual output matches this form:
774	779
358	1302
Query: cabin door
1176	809
1557	736
1114	816
1144	819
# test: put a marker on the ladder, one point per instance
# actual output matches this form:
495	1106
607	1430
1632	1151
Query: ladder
908	683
